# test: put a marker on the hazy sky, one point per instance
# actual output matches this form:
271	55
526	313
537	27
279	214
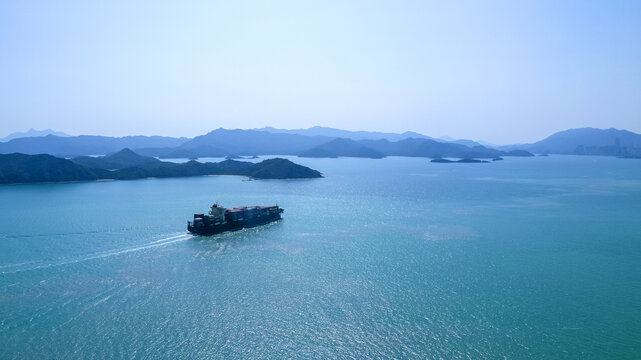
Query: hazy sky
505	72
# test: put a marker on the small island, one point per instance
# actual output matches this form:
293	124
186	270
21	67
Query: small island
20	168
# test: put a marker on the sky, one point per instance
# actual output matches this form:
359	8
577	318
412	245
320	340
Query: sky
499	71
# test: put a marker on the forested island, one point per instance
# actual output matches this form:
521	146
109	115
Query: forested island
20	168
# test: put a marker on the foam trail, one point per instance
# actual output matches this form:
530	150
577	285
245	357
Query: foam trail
169	238
18	264
153	244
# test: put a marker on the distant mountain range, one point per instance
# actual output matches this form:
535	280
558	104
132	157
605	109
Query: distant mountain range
85	144
467	142
324	142
32	133
222	142
368	135
126	165
338	133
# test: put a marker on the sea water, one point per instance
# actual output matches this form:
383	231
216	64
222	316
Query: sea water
391	258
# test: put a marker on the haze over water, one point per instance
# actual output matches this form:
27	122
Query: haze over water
400	258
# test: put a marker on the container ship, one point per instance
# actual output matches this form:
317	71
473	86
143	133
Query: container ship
220	219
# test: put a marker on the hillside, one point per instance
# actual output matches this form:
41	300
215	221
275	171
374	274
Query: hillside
429	148
21	168
408	147
122	159
279	169
342	147
589	141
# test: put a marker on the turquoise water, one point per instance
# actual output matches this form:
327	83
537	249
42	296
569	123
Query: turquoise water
391	258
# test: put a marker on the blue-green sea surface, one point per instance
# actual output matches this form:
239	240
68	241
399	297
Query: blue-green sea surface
392	258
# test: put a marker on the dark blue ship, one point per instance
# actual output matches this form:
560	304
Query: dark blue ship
220	219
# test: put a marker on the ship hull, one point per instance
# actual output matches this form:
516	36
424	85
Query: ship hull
232	226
